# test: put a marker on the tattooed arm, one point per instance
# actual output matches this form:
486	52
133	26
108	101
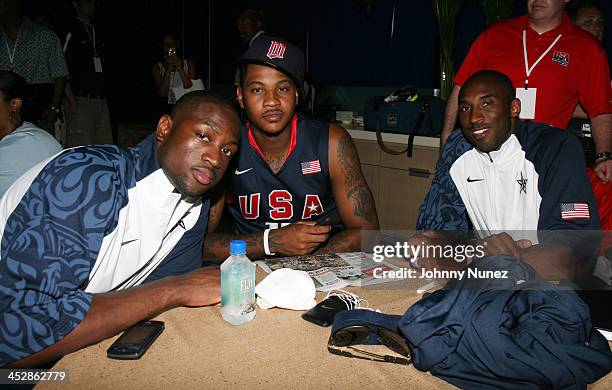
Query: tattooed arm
299	238
216	245
351	192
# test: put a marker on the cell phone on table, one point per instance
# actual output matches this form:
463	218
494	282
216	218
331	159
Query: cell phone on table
324	312
135	341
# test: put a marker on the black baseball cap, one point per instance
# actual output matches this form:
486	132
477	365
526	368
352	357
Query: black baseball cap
276	53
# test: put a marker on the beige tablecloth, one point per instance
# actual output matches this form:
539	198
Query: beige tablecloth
278	349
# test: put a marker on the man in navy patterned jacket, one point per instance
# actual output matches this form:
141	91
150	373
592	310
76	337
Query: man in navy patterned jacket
80	233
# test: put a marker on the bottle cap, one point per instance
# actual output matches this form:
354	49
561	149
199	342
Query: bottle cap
237	247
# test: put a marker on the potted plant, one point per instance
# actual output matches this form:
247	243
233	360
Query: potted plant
446	13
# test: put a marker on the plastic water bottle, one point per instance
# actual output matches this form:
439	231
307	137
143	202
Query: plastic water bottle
237	285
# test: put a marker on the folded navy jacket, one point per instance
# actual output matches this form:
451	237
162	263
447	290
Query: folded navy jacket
502	333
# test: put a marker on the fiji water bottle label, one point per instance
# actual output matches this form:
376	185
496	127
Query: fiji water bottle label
247	292
238	292
247	284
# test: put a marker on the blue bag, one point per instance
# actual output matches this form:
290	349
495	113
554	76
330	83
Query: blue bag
404	111
517	332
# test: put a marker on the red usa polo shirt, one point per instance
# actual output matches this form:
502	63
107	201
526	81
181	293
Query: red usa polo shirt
576	68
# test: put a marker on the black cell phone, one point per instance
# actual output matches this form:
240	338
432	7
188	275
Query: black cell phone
324	312
135	341
331	220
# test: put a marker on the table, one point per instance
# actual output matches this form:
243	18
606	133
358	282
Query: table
278	349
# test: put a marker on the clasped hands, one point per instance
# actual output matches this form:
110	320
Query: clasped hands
174	61
298	239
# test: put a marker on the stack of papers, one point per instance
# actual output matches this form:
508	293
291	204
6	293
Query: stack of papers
330	271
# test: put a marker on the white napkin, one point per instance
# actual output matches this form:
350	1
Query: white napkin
286	288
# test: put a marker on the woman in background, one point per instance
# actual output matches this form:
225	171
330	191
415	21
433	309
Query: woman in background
22	145
173	71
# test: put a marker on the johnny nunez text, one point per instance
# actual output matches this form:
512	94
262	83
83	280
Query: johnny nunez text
411	273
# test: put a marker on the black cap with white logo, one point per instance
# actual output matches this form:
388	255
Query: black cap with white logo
276	53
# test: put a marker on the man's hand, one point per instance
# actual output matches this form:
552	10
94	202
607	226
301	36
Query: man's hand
496	244
171	62
429	237
174	61
201	287
503	244
178	62
602	137
603	169
298	239
112	312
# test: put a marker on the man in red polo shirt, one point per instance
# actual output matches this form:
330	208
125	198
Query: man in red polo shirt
553	64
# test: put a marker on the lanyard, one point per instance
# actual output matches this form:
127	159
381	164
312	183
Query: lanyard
92	39
11	53
528	70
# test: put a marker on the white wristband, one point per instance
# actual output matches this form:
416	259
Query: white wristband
265	242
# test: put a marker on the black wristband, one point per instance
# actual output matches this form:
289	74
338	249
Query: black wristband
603	155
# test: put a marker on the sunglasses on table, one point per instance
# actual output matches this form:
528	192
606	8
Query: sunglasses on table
342	343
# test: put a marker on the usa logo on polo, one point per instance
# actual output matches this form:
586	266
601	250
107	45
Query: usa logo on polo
276	50
561	58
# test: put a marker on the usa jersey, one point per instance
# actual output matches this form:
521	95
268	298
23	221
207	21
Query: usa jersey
301	190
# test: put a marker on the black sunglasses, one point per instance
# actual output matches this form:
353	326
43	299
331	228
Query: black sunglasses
341	343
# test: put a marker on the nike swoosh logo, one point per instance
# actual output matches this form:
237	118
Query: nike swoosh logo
241	172
127	242
473	180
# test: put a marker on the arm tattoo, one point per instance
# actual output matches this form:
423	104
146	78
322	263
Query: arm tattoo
358	191
216	245
345	241
274	243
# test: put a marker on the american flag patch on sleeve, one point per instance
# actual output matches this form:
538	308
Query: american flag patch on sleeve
575	210
310	167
